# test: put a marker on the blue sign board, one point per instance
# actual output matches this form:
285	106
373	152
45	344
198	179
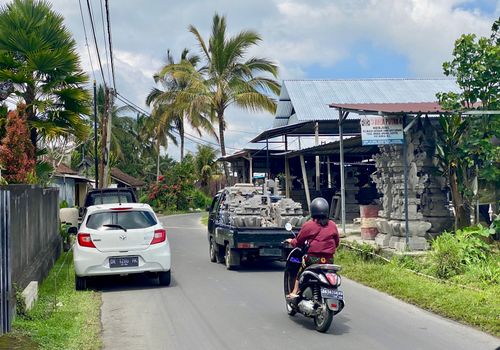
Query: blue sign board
381	130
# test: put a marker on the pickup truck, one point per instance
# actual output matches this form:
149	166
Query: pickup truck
233	245
107	196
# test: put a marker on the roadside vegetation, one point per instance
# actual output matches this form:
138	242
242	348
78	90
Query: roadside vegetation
62	317
180	189
459	278
204	219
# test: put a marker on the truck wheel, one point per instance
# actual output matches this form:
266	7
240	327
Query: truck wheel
212	251
232	259
80	283
219	256
164	278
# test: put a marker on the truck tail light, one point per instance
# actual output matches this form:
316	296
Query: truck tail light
84	240
159	236
245	245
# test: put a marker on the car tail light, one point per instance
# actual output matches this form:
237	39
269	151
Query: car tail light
333	279
84	240
159	236
121	208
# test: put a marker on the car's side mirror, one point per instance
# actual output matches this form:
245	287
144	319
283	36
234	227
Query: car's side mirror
207	209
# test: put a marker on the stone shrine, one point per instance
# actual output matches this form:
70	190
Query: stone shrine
428	211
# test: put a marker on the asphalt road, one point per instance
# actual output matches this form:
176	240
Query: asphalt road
208	307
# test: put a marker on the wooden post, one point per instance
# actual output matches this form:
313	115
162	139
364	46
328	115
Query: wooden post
316	142
287	170
306	185
329	172
343	116
250	160
287	177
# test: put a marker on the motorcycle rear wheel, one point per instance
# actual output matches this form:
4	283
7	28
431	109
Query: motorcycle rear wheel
323	319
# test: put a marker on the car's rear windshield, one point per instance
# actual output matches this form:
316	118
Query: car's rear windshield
109	198
129	220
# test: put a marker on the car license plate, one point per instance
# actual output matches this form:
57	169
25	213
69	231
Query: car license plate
124	261
270	252
328	293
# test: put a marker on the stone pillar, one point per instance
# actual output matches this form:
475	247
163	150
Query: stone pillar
427	207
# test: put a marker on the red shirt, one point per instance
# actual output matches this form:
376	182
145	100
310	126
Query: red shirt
322	243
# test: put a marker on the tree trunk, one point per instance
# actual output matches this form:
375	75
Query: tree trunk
181	136
158	161
29	98
462	217
220	117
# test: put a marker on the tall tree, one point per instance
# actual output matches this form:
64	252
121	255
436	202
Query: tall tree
38	57
159	128
205	163
465	144
227	77
164	101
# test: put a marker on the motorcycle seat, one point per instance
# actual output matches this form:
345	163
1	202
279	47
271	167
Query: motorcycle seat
328	267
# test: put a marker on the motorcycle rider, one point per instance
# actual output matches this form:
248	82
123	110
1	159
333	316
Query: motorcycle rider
320	234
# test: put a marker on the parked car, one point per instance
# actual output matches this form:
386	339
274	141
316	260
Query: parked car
108	196
121	239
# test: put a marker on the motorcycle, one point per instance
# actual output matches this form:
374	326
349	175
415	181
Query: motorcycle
320	297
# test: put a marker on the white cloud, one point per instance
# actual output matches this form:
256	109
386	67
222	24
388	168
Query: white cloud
297	34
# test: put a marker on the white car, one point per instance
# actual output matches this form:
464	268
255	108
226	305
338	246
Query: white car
121	239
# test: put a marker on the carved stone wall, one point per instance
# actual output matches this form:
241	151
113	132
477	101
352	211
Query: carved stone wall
427	204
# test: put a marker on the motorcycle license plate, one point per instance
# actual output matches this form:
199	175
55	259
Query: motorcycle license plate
124	261
328	293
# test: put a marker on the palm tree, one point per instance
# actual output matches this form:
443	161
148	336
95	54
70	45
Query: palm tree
164	101
159	128
38	56
227	77
205	163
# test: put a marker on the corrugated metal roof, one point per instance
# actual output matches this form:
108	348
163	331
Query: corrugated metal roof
393	108
277	122
311	98
283	112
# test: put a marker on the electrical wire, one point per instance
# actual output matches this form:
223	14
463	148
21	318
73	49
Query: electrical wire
86	40
95	40
108	61
188	136
110	44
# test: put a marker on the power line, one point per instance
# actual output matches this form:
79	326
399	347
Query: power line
95	41
241	131
86	40
110	44
108	62
188	136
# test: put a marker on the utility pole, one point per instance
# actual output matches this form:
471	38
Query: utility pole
96	157
109	112
104	137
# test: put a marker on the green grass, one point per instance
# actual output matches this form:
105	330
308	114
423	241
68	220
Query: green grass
63	318
204	219
480	309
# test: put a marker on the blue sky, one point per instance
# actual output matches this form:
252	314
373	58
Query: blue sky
365	61
309	39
